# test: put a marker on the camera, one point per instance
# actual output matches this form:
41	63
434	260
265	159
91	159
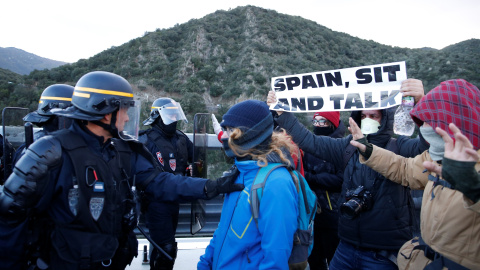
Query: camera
357	201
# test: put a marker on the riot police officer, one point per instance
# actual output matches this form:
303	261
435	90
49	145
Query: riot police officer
79	185
173	151
56	96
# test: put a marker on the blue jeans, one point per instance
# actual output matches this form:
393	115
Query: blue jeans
348	257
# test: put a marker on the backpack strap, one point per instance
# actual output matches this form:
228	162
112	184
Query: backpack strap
438	260
258	185
294	175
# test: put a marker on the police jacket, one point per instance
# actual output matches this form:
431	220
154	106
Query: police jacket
173	153
325	179
389	223
92	225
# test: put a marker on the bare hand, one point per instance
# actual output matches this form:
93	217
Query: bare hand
413	88
460	150
357	134
272	99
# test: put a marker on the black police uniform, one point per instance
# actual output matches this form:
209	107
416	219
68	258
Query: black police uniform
91	230
56	96
70	201
173	152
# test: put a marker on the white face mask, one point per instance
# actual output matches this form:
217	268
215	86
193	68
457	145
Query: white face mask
369	126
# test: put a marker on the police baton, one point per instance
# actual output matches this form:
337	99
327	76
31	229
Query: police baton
28	134
153	243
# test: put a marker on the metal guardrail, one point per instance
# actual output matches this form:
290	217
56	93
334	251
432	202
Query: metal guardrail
213	207
212	141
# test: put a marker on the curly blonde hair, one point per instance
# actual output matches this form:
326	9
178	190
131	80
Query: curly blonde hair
280	139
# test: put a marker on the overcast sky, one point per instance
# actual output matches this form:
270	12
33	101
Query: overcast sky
71	30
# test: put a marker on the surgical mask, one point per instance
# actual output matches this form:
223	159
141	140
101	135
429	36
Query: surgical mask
369	126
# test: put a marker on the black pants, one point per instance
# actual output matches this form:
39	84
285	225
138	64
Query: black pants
324	246
162	219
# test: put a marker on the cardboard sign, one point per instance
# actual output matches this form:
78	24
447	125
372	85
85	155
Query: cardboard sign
360	88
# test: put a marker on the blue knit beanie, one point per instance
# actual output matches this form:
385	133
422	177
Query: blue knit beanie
253	117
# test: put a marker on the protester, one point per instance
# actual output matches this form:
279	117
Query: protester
70	202
296	153
174	153
459	164
238	243
326	181
370	235
450	231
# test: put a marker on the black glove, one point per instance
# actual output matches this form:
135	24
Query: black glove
463	177
224	184
369	150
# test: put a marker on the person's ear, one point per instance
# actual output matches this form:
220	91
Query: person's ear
107	118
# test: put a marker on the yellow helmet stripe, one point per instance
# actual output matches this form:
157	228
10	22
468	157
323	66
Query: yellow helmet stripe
165	107
84	95
105	92
56	98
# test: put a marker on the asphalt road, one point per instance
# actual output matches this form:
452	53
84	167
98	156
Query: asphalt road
189	251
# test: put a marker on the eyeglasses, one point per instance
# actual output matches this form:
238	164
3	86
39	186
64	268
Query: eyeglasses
227	130
321	122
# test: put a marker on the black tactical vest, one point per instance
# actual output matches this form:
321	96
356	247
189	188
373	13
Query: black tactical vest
101	201
179	161
99	181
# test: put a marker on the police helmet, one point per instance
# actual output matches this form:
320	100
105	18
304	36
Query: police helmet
57	96
168	109
98	93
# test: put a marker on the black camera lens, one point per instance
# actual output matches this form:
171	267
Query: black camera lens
351	208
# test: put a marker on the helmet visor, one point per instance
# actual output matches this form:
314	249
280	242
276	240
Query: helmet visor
130	129
171	112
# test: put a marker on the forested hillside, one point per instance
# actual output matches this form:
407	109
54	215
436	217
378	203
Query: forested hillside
22	62
208	64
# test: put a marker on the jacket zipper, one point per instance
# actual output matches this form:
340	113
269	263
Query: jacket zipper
248	259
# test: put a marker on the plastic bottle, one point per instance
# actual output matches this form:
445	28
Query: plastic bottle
403	123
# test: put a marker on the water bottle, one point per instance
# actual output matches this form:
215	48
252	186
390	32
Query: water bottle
403	123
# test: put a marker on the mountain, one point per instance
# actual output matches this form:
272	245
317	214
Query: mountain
22	62
208	64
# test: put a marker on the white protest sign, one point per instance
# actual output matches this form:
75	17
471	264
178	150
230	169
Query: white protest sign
360	88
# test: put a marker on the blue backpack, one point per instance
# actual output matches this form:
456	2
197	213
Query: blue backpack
307	206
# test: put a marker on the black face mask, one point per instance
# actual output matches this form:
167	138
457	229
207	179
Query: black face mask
169	130
323	131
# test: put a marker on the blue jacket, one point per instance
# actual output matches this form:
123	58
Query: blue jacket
238	243
389	224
